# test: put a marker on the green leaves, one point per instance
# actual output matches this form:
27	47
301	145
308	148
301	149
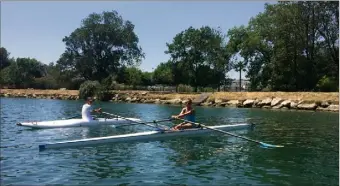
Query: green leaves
288	43
103	43
194	49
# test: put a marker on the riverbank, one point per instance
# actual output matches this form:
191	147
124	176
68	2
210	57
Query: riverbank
317	101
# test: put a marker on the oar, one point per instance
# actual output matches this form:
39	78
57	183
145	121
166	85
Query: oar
259	142
72	117
143	123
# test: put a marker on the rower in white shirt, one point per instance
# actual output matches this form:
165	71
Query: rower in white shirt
86	110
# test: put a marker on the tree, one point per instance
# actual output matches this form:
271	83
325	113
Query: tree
103	43
163	74
22	72
147	79
131	76
4	56
193	48
288	42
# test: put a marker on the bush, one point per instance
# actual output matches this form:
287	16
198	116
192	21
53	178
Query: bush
326	84
46	82
91	89
184	88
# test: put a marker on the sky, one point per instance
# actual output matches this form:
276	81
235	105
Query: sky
36	29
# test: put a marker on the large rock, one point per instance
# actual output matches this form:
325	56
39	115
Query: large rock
293	105
277	106
275	102
221	104
311	106
157	101
248	103
149	101
218	101
133	100
144	93
264	102
175	101
324	104
333	108
206	104
285	103
234	103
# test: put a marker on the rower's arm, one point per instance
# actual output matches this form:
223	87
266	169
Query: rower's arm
185	113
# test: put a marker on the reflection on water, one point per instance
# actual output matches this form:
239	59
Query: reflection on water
310	155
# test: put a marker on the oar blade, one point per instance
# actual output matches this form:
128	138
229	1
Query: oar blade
266	145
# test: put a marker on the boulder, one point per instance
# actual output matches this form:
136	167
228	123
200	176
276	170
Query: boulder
248	103
218	101
233	102
322	109
324	104
264	102
333	108
128	99
293	105
311	106
222	104
144	93
286	103
175	101
277	106
133	100
149	101
275	102
206	103
157	101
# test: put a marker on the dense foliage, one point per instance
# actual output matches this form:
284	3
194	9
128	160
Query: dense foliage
291	46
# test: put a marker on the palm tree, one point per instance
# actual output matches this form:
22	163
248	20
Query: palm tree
240	66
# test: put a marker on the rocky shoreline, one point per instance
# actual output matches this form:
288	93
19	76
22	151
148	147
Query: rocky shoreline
168	98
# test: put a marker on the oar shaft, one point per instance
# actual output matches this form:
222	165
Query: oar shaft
219	130
143	123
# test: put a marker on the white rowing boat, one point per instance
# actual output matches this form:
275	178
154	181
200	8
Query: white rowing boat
67	123
140	136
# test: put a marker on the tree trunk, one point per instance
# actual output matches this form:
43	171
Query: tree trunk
240	79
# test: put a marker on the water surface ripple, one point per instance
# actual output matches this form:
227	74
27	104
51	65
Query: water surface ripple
310	155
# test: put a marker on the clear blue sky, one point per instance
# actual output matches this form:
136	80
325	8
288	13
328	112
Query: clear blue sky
35	29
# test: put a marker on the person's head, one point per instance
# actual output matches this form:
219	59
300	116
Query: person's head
89	100
188	103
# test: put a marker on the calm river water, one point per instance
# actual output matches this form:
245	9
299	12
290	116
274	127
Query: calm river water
310	155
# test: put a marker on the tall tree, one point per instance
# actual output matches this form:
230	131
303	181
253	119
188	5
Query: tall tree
194	48
4	56
103	43
163	74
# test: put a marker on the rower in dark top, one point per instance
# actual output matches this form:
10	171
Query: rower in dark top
187	113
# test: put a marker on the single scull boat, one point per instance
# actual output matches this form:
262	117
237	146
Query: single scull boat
67	123
141	136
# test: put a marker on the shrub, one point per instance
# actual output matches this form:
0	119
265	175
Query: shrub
46	82
184	88
327	84
91	89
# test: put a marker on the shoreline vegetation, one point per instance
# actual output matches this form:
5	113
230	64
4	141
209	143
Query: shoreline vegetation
314	101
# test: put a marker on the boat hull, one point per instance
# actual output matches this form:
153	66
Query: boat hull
141	136
76	123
